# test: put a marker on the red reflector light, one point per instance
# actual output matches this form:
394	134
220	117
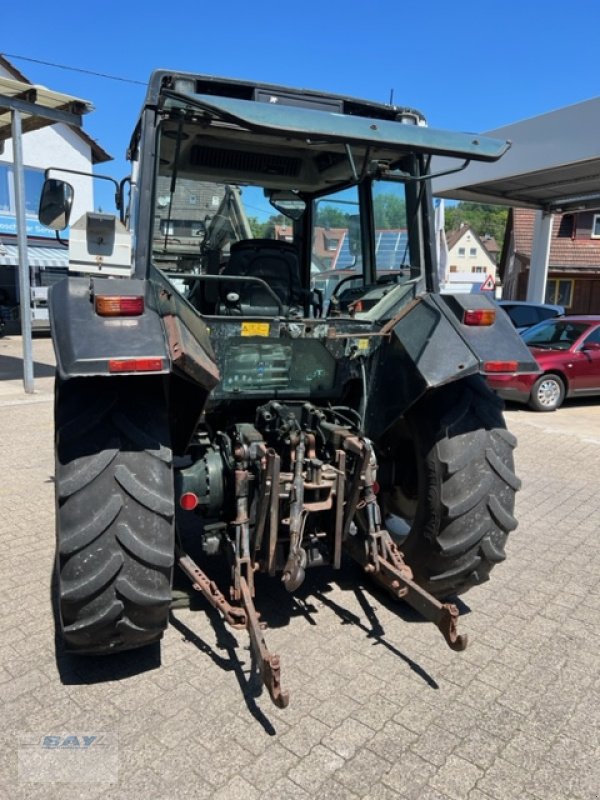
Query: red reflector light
118	306
500	366
188	501
135	365
479	316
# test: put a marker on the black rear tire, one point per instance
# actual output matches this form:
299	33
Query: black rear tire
114	512
457	487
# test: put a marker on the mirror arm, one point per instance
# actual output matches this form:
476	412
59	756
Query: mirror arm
402	177
88	175
59	240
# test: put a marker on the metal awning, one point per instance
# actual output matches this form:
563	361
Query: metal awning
38	105
25	107
553	164
37	256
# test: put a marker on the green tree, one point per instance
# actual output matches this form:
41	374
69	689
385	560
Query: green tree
329	216
256	227
389	211
266	229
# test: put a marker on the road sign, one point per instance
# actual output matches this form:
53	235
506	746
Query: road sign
488	285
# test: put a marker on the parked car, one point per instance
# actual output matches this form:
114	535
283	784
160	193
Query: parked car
524	315
567	350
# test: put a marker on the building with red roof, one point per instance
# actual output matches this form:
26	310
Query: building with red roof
574	262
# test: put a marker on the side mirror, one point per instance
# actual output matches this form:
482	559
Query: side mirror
56	202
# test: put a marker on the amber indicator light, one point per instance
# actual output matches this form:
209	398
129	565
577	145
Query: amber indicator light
479	316
119	306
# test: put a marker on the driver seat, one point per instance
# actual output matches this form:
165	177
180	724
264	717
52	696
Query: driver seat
276	263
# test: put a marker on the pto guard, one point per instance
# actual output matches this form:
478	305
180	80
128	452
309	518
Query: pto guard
429	346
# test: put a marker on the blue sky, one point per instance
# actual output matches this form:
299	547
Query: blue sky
469	66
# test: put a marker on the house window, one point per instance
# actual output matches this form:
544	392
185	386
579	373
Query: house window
453	268
461	252
566	228
473	252
560	292
32	181
331	244
182	227
596	227
479	269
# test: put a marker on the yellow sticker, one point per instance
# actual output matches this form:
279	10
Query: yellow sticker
363	344
255	328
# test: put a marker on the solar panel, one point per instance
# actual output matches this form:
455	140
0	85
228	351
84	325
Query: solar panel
391	251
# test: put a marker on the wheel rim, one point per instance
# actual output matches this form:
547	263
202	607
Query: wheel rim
548	393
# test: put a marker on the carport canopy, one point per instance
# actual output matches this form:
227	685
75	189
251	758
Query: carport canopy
553	165
26	107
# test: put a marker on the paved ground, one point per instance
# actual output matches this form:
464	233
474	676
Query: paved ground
380	707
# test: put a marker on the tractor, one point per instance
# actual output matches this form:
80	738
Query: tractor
257	343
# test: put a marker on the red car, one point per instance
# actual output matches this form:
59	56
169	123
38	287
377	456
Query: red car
567	350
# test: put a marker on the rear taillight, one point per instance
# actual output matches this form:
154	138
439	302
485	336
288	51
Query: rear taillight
118	306
500	366
479	316
135	365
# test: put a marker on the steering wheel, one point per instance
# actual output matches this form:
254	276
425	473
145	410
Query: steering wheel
339	285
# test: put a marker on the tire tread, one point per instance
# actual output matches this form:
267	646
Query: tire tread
467	500
114	489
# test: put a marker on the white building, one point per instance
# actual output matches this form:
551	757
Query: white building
469	265
56	145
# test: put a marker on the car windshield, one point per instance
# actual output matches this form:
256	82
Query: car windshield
554	335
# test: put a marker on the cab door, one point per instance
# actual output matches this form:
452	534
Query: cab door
588	364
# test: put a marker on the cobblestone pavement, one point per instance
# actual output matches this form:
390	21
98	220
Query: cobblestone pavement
380	708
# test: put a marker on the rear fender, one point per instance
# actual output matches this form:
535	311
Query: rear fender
85	342
428	345
169	332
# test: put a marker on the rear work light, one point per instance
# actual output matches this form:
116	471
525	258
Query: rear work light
119	306
479	316
135	365
500	366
